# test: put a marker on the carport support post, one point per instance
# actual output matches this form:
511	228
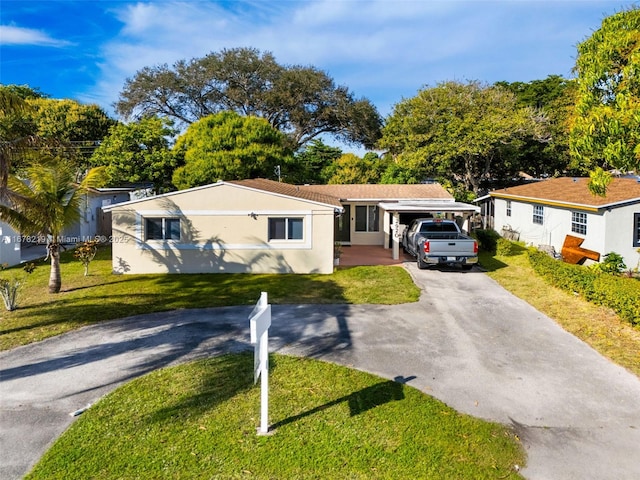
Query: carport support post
395	227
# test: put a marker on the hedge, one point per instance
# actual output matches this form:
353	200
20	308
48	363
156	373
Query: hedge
618	293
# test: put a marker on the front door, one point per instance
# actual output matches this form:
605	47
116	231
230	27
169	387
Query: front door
342	229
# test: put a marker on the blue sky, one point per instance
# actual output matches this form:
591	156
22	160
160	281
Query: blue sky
384	50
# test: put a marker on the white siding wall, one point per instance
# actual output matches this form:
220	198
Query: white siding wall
606	231
619	235
10	253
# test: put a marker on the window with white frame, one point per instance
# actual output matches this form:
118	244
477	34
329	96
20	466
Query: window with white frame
508	208
538	214
636	229
367	218
285	228
162	228
579	222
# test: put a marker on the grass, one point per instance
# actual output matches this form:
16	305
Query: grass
199	421
598	326
104	296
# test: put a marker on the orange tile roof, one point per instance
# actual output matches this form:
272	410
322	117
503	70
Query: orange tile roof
288	190
573	191
423	191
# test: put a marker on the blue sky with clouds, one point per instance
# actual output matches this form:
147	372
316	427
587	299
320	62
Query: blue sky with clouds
384	50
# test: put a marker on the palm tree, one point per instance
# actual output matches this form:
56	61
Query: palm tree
45	202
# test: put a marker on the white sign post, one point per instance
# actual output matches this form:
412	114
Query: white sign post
259	323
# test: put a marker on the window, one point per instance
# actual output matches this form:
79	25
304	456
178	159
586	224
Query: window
636	229
579	223
162	228
508	208
538	214
285	228
367	218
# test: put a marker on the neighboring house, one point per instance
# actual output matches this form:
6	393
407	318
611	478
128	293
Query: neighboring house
94	222
263	226
10	242
546	212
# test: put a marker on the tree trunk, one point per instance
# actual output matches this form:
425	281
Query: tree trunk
55	280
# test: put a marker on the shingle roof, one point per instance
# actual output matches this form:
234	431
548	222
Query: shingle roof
288	190
423	191
573	191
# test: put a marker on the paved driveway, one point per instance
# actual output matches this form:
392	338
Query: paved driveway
467	341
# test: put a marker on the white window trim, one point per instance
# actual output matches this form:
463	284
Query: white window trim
541	215
575	223
305	244
355	223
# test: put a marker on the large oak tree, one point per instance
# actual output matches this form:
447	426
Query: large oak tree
302	102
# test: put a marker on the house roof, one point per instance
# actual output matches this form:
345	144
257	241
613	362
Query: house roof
573	192
270	186
330	195
377	192
288	190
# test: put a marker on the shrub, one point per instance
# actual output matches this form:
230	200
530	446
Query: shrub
613	264
505	247
618	293
487	240
85	252
9	287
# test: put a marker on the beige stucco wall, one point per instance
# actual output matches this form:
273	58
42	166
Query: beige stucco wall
224	229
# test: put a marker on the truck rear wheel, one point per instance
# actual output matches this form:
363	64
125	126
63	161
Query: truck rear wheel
421	265
467	267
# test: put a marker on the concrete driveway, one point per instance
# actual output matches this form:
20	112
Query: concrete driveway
467	341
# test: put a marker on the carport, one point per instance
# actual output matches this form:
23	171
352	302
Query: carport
397	215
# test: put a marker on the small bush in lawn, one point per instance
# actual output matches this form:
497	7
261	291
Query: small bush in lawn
9	287
613	264
85	252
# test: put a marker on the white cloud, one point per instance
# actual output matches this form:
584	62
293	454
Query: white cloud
382	48
12	35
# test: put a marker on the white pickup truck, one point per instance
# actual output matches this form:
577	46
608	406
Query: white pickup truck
434	241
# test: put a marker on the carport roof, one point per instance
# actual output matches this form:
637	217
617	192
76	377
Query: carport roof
437	206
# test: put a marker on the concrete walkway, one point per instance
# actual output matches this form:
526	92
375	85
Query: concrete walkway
467	341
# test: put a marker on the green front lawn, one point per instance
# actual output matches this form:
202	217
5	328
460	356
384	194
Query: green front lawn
199	421
104	296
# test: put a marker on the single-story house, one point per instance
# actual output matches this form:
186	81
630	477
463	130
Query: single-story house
553	212
263	226
94	221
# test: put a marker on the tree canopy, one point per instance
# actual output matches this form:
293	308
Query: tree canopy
302	102
138	152
554	96
228	146
461	132
309	163
606	127
350	168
